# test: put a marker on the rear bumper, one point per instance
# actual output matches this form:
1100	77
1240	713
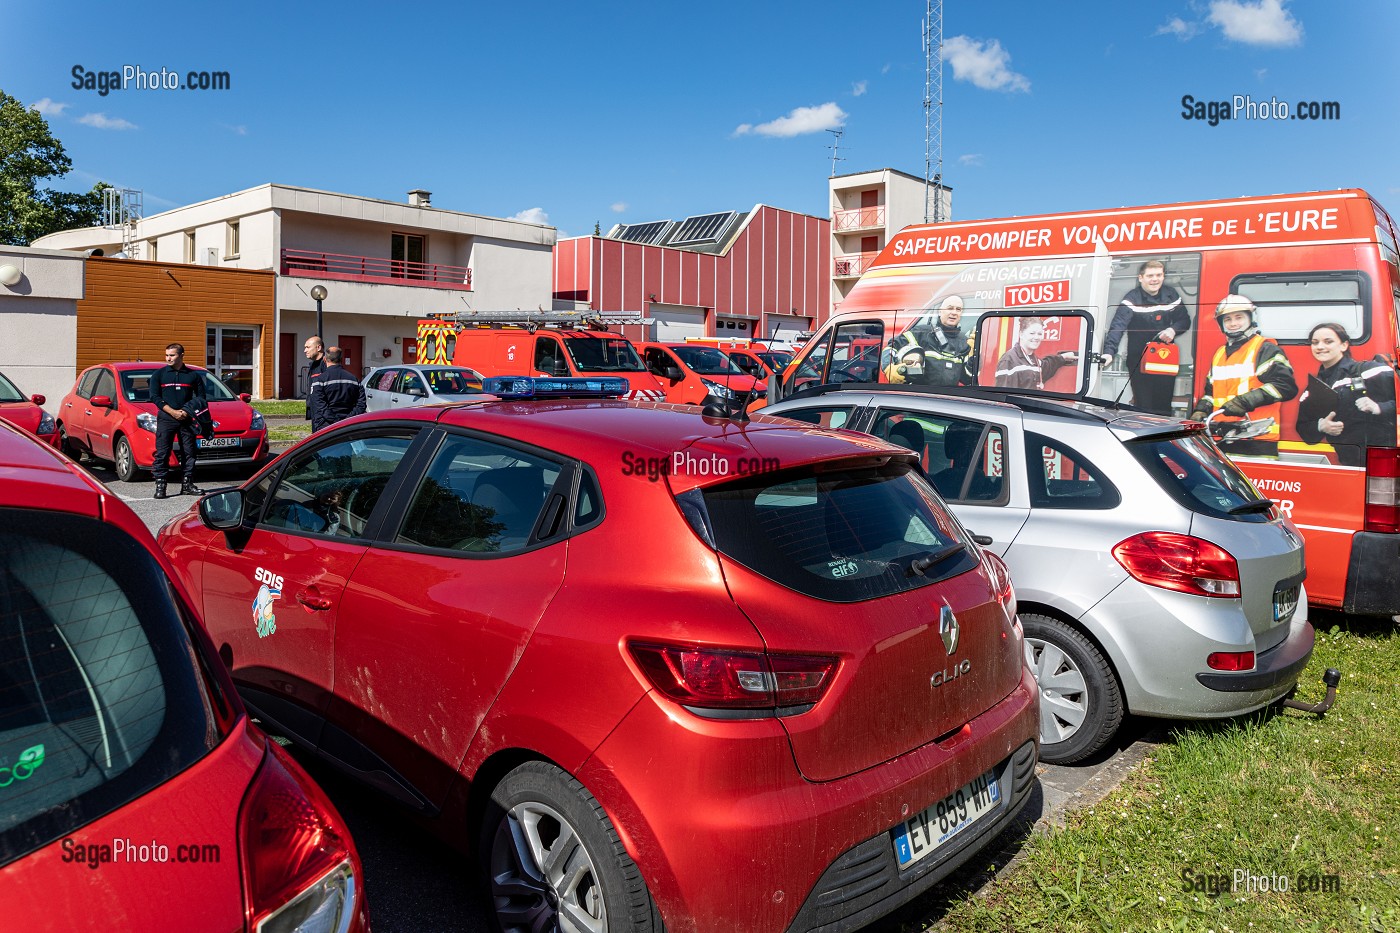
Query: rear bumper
1373	575
1279	666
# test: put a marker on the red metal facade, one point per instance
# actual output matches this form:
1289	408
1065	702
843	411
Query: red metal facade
778	264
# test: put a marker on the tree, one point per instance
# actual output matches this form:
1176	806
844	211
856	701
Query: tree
29	154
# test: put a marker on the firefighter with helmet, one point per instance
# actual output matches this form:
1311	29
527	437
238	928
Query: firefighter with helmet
1249	379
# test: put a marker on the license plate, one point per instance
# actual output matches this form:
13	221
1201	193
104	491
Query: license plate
219	441
924	832
1285	602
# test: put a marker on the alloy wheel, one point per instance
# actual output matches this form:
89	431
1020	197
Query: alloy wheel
542	877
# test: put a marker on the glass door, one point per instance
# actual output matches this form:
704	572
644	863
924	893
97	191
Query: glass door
231	352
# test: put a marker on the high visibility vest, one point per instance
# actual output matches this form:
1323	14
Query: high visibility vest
1234	374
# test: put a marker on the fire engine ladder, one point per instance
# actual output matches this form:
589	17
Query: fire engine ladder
582	320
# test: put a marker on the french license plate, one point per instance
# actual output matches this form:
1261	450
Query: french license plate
219	441
924	832
1285	602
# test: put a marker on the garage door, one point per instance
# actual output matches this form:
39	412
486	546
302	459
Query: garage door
674	323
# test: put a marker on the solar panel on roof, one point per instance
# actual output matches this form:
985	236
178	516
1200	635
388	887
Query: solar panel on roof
643	233
701	228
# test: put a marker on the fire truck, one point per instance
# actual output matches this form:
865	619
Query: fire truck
539	343
1304	266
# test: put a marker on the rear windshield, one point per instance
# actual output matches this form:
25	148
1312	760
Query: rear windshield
1200	477
604	355
136	386
99	700
842	535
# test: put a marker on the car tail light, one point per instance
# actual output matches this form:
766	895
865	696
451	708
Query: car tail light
723	678
1383	489
1179	562
301	873
1001	580
1230	661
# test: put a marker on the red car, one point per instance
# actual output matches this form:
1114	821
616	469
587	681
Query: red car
26	413
109	414
695	374
134	792
656	666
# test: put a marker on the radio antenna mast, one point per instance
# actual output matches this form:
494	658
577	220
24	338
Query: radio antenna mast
933	111
835	147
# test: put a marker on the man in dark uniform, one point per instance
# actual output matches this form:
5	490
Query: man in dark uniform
336	394
173	387
1152	311
315	365
934	351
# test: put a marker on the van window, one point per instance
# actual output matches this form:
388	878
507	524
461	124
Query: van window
604	354
1290	305
549	357
1060	478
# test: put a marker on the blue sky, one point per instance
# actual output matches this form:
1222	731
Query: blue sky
603	112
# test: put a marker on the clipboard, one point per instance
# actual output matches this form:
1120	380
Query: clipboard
1317	400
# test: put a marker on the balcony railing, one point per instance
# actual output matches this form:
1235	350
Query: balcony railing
852	265
375	270
862	218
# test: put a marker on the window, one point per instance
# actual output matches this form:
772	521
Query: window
408	254
1059	478
231	248
855	353
189	246
659	361
963	459
384	380
820	415
1290	305
478	497
600	354
333	490
151	247
549	357
1194	471
232	355
85	385
412	384
106	384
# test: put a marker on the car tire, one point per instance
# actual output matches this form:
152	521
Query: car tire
124	460
534	810
1081	704
70	450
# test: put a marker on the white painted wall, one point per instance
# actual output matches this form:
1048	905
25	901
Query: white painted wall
39	322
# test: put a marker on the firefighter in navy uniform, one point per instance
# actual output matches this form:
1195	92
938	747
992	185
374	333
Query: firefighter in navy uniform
315	353
1151	311
1249	378
336	394
173	388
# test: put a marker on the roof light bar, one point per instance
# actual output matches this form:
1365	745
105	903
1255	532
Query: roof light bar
534	387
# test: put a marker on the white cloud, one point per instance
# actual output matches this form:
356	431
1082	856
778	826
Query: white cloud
104	122
532	215
858	88
983	63
1176	26
886	70
49	108
619	207
973	159
800	121
1261	73
1263	22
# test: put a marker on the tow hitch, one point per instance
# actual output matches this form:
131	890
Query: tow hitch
1331	677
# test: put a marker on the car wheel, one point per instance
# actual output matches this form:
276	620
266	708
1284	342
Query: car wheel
70	450
124	460
554	861
1081	705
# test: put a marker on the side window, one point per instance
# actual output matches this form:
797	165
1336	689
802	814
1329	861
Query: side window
549	357
106	384
333	489
90	379
964	460
384	380
589	507
478	497
824	417
412	383
1291	304
657	361
855	352
1059	478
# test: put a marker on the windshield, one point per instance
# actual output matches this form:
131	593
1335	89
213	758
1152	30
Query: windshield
840	535
453	381
8	392
707	361
136	386
1199	476
749	364
604	355
776	360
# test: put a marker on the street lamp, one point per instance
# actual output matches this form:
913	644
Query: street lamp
318	292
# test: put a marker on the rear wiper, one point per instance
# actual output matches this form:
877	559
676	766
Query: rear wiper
1257	505
921	565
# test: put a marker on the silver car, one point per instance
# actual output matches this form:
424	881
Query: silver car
391	387
1151	577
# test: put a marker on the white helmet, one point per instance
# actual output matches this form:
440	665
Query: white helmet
1231	304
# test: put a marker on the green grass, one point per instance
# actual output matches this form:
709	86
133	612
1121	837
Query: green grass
290	406
1277	793
288	433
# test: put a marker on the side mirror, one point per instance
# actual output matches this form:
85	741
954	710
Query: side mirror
101	401
222	511
37	399
244	397
674	373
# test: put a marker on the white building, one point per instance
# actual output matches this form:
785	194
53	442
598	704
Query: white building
384	264
867	209
39	294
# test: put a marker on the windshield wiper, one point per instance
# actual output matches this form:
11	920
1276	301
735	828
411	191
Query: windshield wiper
921	565
1256	505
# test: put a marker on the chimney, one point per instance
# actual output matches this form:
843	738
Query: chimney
420	198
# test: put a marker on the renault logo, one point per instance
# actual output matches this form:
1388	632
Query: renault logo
948	628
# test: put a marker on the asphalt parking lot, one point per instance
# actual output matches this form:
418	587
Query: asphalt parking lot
415	881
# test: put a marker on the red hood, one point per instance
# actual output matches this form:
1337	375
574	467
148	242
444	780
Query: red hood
24	415
230	417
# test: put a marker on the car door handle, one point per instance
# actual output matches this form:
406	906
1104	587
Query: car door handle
311	601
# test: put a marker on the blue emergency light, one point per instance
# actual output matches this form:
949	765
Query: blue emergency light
536	387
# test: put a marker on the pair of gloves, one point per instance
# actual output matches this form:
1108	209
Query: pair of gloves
1232	408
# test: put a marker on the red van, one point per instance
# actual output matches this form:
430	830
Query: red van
692	373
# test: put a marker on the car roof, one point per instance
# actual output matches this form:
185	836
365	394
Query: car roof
128	365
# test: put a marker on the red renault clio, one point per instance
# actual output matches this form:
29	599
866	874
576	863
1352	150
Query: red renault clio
656	666
134	793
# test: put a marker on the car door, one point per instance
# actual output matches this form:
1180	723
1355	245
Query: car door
966	458
76	405
380	389
411	389
101	422
285	576
439	612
